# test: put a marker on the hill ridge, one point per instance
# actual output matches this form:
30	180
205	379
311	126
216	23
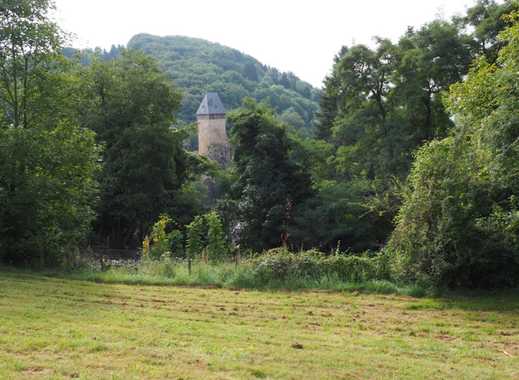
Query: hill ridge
198	66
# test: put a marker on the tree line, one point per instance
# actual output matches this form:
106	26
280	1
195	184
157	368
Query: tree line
398	122
414	158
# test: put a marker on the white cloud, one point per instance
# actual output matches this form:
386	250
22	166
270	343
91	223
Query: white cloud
299	36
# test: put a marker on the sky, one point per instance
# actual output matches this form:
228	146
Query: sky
301	36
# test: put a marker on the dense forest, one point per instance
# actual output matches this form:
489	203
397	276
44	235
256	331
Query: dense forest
412	173
198	66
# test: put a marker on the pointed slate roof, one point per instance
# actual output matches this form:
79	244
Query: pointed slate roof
211	105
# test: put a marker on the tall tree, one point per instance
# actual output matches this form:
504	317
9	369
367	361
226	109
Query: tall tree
269	183
459	225
29	42
47	163
485	20
131	105
378	107
429	61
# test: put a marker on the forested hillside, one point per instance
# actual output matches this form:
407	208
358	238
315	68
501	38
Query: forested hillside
197	66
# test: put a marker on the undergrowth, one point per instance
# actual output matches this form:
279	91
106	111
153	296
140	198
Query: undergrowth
275	270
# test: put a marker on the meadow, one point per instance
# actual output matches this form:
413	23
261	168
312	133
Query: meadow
62	328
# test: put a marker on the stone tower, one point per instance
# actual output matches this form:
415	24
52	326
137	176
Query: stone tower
212	135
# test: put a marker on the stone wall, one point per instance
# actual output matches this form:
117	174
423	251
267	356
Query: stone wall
212	138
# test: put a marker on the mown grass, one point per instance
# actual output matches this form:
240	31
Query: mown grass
56	328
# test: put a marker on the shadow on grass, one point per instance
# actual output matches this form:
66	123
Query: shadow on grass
208	277
506	300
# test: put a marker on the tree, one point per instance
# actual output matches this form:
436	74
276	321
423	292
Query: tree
217	247
292	119
459	225
429	61
130	105
47	192
47	162
485	20
329	101
335	218
196	237
29	43
269	183
378	107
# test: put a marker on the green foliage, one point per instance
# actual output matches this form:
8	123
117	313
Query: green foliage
217	247
130	103
196	233
160	239
198	66
282	265
459	222
176	240
47	162
379	106
206	237
29	42
47	190
270	184
387	101
163	242
486	20
329	101
335	217
275	269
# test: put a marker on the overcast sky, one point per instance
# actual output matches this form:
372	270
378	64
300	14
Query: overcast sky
301	36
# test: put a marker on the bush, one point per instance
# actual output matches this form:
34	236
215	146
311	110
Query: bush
282	265
439	240
196	231
217	247
206	238
161	242
351	268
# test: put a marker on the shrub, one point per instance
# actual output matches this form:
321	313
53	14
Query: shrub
217	246
206	237
195	237
162	243
176	238
282	265
275	269
351	268
160	240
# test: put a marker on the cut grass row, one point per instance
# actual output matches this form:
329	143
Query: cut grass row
55	328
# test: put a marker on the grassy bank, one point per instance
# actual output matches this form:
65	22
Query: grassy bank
53	328
260	274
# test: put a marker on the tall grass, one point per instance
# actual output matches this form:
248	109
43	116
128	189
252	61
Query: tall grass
268	272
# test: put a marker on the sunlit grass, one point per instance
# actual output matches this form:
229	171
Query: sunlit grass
54	328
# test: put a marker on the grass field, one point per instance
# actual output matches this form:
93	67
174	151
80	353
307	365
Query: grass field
53	328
